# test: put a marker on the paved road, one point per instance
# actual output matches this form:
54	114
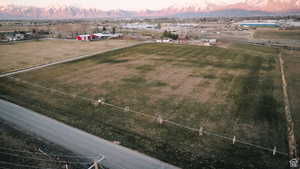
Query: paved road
78	141
59	62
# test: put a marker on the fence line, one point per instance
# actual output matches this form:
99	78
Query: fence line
101	101
47	161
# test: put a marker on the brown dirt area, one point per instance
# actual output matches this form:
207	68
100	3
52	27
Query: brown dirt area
22	55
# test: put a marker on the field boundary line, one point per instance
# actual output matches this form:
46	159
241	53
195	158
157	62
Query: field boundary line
293	153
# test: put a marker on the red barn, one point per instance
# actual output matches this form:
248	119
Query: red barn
83	37
88	37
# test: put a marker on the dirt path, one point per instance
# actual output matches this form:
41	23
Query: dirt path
293	153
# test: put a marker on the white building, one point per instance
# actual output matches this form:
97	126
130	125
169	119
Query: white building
19	36
139	26
98	36
163	40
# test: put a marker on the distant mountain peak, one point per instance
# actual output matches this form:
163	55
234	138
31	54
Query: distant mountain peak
68	9
263	5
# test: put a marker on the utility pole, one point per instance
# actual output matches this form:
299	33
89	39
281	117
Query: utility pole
96	164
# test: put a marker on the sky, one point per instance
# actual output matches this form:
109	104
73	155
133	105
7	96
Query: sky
108	4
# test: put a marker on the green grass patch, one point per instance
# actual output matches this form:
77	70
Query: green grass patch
145	68
113	61
263	50
275	34
140	82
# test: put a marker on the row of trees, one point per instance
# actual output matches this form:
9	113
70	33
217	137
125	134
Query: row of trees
104	29
169	34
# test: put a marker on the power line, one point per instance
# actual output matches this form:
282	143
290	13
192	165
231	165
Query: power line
126	109
51	154
40	159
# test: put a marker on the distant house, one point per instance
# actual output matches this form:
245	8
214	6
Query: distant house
167	40
208	42
14	36
212	41
108	35
97	36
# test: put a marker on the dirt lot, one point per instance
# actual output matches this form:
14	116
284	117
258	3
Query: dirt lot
233	92
22	55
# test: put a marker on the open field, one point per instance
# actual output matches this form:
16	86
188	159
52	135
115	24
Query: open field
21	149
292	68
277	34
22	55
233	92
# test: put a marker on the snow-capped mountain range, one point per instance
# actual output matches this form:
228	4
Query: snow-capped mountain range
184	9
262	5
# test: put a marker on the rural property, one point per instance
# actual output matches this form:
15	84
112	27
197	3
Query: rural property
232	92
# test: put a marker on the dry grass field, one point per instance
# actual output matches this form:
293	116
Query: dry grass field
22	55
232	92
277	34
